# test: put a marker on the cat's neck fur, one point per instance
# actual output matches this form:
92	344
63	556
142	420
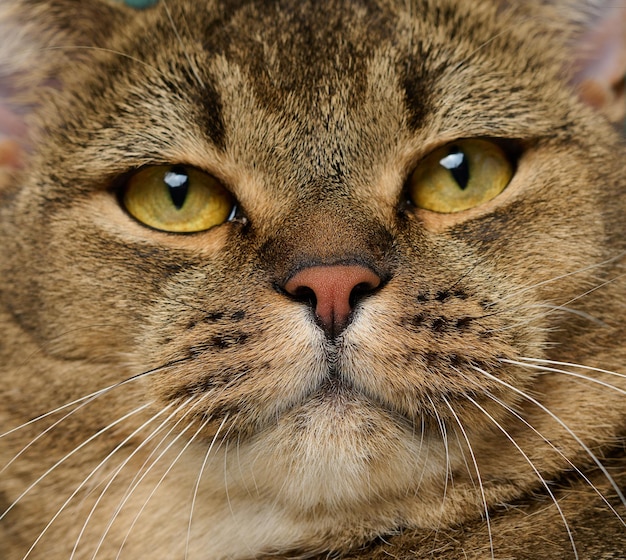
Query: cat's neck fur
470	390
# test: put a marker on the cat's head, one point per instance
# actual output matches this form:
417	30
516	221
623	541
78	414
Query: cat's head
338	234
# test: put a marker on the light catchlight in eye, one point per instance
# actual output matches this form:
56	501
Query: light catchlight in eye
460	176
177	199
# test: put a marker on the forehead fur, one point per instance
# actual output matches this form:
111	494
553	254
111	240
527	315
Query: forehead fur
271	63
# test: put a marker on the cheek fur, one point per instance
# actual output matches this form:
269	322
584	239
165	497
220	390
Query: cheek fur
332	371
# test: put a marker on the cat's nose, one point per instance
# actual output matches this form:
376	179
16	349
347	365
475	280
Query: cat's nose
332	291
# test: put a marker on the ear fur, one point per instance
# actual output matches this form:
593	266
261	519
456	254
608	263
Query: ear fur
600	58
38	40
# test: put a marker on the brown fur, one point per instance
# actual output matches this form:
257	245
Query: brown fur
419	432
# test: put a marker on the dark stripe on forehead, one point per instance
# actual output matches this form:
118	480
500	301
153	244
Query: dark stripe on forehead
306	50
210	118
417	90
180	74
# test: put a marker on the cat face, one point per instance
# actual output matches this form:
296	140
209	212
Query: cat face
347	243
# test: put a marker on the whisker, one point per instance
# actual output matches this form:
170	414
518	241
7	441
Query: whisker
419	454
444	437
141	474
44	432
192	65
71	453
564	426
83	483
480	482
578	366
93	396
228	501
113	476
534	468
158	484
553	308
595	288
547	369
172	428
448	474
468	468
240	468
197	486
562	276
572	465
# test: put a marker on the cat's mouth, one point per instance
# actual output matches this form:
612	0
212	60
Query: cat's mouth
253	381
337	393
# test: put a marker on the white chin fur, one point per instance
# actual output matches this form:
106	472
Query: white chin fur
336	455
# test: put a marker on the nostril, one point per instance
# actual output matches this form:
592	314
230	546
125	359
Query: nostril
332	291
360	291
304	294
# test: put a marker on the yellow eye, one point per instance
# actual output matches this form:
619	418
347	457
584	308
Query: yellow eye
177	199
460	176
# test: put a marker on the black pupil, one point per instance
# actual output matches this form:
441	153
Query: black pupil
177	180
456	163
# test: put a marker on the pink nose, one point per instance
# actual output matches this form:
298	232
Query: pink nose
333	291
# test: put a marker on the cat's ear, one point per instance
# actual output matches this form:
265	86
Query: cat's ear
39	41
15	59
599	57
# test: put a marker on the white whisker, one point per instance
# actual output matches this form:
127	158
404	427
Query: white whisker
44	432
240	468
565	458
230	505
533	467
547	369
71	453
553	308
156	448
197	486
158	484
578	366
82	485
141	474
562	276
92	396
595	288
113	476
448	472
419	454
564	426
480	482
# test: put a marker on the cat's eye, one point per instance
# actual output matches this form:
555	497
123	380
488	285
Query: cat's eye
177	198
460	176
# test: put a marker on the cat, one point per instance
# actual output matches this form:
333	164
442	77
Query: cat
301	279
